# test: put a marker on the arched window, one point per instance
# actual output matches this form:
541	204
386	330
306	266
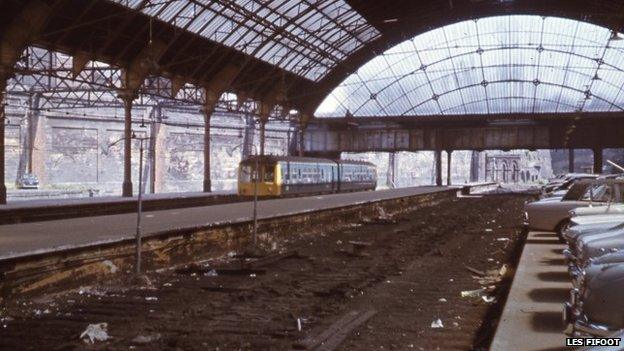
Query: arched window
505	172
514	171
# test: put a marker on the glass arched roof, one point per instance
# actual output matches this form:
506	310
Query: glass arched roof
494	65
305	37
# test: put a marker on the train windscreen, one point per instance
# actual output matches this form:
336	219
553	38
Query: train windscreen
248	173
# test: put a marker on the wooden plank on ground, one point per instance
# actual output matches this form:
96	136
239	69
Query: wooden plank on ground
333	336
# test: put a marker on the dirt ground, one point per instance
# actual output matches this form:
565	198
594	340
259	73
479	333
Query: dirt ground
412	274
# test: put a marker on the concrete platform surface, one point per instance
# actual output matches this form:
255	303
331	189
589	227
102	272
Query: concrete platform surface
531	319
25	239
33	204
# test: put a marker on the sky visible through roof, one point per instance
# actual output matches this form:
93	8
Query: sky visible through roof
305	37
494	65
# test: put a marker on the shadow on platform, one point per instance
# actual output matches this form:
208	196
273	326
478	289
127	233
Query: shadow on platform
547	322
554	276
550	295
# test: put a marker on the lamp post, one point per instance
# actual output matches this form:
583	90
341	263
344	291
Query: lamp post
137	264
256	178
255	199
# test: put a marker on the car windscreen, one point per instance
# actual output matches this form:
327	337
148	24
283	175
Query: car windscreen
598	193
576	192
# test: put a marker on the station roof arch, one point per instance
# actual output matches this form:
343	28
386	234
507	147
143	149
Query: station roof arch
494	65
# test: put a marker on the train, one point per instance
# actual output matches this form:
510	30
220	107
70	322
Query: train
288	175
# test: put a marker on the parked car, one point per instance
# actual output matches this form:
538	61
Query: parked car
613	208
553	214
559	186
28	181
582	230
596	307
595	245
580	225
618	335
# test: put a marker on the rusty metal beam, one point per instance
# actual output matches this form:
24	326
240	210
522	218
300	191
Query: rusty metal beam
329	136
21	32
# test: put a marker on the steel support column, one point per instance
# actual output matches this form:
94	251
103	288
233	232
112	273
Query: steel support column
248	136
438	166
571	160
128	97
207	115
301	141
391	178
262	135
448	166
3	85
597	160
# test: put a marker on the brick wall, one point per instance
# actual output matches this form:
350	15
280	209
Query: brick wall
79	150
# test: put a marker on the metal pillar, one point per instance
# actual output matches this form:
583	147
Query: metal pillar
262	135
154	131
571	160
301	141
474	166
448	166
390	178
248	136
207	183
438	167
127	97
3	85
597	160
33	119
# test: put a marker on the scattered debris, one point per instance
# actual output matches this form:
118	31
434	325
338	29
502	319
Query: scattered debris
151	298
267	260
110	265
145	339
503	271
502	239
488	299
473	293
475	271
333	336
437	324
488	230
442	300
95	332
358	247
211	273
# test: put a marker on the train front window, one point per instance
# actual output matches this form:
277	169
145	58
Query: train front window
269	173
245	173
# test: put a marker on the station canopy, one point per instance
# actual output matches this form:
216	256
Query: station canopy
493	65
304	37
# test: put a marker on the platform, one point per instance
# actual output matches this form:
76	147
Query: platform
531	319
18	240
50	209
